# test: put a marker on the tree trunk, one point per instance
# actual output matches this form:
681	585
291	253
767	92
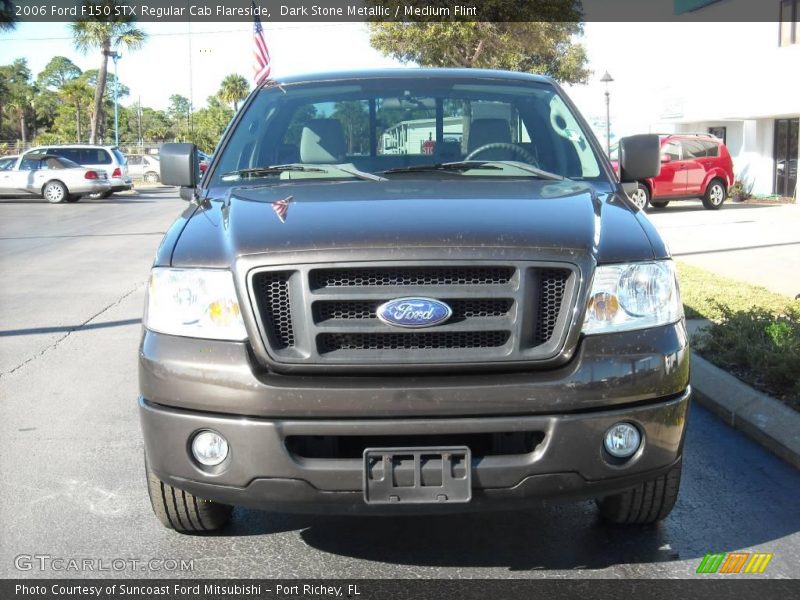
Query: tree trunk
235	106
22	129
99	92
78	122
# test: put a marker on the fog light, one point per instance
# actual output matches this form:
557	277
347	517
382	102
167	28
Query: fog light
209	448
622	440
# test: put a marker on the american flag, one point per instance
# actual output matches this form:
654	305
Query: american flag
261	59
281	208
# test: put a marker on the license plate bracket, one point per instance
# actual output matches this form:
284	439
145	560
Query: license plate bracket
423	475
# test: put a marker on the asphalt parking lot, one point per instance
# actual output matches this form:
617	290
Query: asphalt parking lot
72	280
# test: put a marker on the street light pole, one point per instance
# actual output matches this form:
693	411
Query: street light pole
115	56
608	79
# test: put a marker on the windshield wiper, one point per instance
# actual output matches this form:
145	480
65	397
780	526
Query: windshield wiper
541	173
300	168
271	170
464	165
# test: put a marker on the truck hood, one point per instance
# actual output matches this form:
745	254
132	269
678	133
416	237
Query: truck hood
396	217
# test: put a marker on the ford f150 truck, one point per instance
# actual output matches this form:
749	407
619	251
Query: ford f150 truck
484	320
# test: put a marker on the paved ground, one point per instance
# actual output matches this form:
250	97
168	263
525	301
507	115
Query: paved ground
757	243
71	481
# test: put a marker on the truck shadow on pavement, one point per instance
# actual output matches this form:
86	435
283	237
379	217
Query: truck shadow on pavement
728	483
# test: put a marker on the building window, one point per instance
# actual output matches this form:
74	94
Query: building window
719	132
789	29
787	132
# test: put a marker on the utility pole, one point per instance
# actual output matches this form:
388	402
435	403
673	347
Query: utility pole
115	56
139	115
608	79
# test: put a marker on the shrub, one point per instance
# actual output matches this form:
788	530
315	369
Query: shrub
759	346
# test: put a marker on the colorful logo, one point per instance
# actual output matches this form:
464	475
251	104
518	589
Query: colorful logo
735	562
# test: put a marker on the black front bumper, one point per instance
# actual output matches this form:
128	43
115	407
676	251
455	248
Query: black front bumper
187	385
262	472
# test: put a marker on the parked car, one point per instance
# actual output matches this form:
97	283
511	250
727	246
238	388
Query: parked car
54	178
145	167
440	330
203	160
692	166
7	162
108	158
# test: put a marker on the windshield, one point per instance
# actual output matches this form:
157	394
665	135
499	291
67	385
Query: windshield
382	126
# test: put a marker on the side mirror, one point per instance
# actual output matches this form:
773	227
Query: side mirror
665	158
179	164
639	157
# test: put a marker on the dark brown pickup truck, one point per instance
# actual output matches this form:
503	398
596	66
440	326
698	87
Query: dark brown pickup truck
411	291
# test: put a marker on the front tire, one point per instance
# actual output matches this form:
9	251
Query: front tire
648	502
182	511
55	192
641	197
715	195
151	177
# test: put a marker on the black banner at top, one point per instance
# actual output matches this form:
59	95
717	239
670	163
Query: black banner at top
401	10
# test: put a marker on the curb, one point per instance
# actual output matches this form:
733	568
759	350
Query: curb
762	418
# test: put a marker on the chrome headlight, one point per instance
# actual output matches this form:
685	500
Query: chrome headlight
633	296
198	303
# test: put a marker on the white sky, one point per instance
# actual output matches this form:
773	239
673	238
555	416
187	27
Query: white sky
647	60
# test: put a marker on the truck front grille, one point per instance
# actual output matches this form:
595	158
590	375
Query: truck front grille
330	342
406	276
315	315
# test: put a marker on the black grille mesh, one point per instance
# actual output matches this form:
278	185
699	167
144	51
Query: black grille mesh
402	276
330	342
552	284
272	294
366	309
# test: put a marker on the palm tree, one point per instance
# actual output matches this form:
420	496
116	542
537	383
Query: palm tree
234	89
89	34
8	16
18	93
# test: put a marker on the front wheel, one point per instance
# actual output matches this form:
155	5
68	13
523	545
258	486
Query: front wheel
151	177
648	502
182	511
715	195
55	192
640	197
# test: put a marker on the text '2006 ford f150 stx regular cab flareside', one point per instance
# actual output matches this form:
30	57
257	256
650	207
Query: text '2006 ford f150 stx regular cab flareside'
411	291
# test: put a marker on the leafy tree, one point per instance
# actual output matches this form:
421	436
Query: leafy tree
78	95
234	89
544	45
18	93
59	71
210	123
179	112
90	33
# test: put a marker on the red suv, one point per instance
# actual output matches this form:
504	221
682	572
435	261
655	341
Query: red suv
692	166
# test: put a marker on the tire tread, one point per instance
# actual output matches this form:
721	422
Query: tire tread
647	502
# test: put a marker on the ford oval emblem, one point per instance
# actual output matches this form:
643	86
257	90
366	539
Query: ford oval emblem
414	312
